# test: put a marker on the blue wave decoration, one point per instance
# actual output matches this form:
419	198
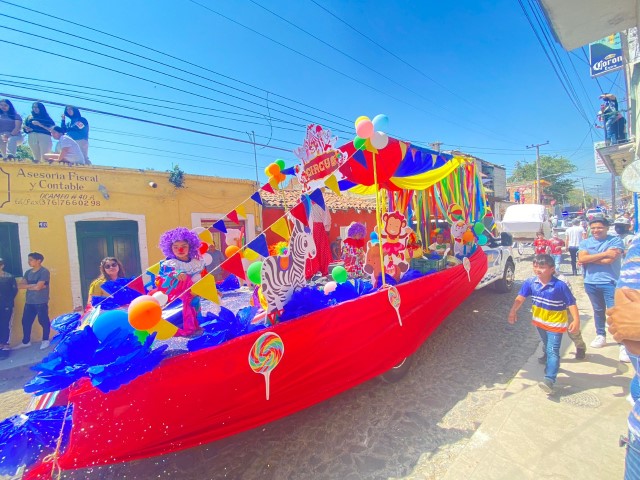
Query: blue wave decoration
25	438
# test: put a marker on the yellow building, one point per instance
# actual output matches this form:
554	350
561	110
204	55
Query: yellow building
75	216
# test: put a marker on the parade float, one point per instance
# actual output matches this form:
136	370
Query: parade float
170	361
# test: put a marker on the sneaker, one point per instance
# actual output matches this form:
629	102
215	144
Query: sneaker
22	345
599	342
543	359
45	344
546	385
624	356
580	353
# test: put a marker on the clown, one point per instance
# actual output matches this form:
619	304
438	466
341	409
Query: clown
353	248
182	268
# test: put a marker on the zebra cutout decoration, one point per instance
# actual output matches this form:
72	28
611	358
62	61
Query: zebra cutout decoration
282	274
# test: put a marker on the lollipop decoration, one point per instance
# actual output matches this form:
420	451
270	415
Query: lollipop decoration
266	353
394	300
466	263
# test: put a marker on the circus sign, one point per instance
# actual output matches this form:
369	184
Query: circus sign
319	158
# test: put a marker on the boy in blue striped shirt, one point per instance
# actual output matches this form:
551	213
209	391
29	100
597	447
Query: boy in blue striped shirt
550	298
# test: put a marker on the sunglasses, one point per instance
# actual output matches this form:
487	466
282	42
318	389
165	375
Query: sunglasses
110	265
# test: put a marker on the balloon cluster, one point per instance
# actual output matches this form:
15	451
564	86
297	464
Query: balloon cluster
370	133
274	173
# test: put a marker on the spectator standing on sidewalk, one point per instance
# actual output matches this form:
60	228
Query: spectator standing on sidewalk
556	244
551	298
8	292
36	282
540	244
600	256
78	129
573	236
624	326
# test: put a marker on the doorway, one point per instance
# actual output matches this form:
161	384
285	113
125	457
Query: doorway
99	239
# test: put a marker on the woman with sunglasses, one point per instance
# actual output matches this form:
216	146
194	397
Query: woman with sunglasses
110	269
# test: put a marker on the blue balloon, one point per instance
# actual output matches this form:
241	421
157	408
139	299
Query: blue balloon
380	122
373	236
109	322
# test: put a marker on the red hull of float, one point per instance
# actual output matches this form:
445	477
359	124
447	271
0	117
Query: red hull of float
199	397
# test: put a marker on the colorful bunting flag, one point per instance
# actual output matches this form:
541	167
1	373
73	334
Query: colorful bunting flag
259	245
137	284
206	237
256	197
267	188
299	212
220	226
317	198
281	227
332	184
155	269
306	201
206	288
240	210
233	265
233	216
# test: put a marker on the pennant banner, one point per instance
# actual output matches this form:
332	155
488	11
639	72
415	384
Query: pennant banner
155	269
220	226
332	184
233	265
206	288
259	245
317	198
137	284
240	210
281	227
256	197
233	216
299	212
267	188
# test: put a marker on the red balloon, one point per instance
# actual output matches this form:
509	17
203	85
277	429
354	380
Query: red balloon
204	247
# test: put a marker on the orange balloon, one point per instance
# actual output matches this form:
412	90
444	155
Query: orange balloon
274	169
468	236
145	315
231	250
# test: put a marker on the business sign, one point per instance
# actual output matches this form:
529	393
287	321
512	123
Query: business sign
605	55
600	165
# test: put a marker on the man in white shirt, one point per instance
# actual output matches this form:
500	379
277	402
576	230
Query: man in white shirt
68	150
573	236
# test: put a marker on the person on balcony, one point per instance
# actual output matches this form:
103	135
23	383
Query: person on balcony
78	129
614	122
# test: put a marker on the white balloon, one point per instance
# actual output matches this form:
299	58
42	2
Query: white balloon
161	298
208	259
379	140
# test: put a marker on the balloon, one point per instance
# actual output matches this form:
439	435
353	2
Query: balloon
359	143
251	255
254	273
339	274
207	258
164	329
273	169
230	251
455	211
330	287
467	236
379	140
141	335
267	172
368	147
280	163
143	298
380	122
274	183
373	236
478	228
482	239
109	321
202	249
360	119
364	129
161	298
145	315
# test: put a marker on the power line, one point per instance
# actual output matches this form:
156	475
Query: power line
151	122
173	58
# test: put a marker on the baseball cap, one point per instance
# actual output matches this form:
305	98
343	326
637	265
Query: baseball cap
622	221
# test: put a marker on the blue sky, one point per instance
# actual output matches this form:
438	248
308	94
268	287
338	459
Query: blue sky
473	76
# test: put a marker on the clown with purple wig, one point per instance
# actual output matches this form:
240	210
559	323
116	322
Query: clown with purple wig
353	253
182	268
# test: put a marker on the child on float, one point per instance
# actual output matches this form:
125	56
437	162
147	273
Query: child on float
182	268
550	298
440	246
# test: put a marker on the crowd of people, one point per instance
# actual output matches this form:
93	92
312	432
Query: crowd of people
72	134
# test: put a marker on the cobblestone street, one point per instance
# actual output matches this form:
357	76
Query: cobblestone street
408	430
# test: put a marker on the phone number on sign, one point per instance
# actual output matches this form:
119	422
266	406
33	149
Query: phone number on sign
57	202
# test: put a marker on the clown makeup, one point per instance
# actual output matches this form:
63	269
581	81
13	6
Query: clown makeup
180	249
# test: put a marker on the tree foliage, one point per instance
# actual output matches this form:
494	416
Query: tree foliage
554	169
24	153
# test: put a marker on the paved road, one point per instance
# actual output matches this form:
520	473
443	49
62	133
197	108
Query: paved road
410	430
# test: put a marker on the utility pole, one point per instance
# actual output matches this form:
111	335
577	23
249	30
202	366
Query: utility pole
584	195
537	147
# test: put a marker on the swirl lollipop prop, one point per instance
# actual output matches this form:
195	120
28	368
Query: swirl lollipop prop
266	353
394	299
466	263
